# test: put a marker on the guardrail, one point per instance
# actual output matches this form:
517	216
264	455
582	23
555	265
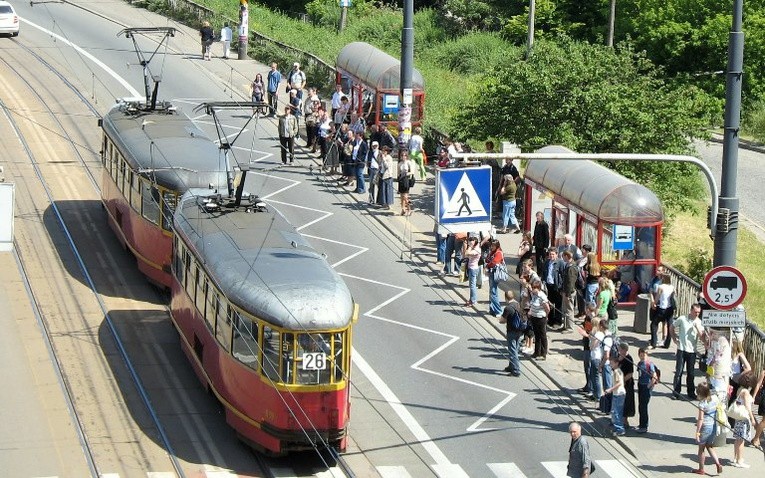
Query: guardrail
687	292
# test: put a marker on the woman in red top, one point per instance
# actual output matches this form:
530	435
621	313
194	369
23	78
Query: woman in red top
493	259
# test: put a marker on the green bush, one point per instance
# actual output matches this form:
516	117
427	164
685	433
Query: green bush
473	54
698	263
754	121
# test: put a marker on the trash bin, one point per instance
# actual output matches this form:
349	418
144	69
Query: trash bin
641	323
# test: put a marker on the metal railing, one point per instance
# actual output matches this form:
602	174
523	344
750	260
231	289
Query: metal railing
687	292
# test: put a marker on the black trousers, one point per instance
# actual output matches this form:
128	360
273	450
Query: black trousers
287	145
539	325
556	300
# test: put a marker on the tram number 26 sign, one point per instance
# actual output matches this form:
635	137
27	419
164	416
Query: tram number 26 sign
724	287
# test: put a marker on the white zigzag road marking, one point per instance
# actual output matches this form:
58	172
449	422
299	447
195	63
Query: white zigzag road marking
359	252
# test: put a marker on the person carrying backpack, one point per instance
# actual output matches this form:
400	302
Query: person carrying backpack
516	323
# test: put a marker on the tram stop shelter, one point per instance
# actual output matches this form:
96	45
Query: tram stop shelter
620	219
373	78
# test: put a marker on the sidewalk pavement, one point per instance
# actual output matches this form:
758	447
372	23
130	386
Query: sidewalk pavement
668	447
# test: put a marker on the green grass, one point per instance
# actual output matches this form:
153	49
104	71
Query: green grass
689	231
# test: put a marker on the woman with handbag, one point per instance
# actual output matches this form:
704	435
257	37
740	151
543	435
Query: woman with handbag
495	260
741	411
707	427
405	180
539	309
759	399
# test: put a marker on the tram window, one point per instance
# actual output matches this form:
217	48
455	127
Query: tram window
187	268
314	358
338	353
178	269
211	310
122	177
246	347
168	206
271	352
223	328
191	284
135	192
150	209
199	299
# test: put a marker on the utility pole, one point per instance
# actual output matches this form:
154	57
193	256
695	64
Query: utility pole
530	39
344	4
611	21
244	24
726	235
407	61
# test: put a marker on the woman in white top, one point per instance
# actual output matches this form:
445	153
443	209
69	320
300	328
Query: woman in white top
663	312
472	252
539	308
386	172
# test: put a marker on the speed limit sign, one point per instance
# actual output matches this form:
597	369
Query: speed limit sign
724	287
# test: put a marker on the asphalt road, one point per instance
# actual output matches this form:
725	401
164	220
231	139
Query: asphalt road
430	397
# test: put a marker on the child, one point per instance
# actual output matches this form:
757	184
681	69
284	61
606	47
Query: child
742	429
587	326
647	378
619	395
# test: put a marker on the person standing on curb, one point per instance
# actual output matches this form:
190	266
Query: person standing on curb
627	366
541	241
472	252
706	427
517	324
647	378
579	459
568	289
618	394
539	308
273	79
225	37
288	129
494	258
685	331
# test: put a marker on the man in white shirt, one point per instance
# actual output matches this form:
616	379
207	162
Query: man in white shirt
225	37
337	98
685	332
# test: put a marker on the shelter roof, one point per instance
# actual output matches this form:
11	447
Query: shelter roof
596	189
374	67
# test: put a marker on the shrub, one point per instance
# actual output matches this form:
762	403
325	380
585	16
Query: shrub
754	121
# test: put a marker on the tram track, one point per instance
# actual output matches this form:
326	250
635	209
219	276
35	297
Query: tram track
75	144
69	394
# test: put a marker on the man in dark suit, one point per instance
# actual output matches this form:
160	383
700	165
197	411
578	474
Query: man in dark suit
552	275
541	241
359	157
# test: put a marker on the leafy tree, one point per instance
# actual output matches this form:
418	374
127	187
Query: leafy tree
593	99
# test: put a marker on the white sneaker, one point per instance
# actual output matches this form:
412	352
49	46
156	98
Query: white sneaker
741	464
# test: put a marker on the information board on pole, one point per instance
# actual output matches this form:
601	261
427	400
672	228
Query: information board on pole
723	318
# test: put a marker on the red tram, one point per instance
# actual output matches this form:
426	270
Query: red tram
147	166
265	321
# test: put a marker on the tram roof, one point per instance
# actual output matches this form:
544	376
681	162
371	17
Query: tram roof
374	67
263	265
596	189
166	146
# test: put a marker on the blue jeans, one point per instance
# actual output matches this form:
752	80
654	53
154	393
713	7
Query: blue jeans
595	378
617	413
685	360
472	277
514	340
589	294
360	183
450	250
644	396
440	248
495	306
508	214
608	378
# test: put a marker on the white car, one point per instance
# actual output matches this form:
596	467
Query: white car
9	21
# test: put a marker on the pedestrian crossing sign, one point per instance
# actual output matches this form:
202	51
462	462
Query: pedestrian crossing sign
463	197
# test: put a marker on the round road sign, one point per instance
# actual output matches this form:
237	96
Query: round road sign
724	287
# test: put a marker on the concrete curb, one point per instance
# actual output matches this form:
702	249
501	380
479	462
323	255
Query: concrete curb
742	143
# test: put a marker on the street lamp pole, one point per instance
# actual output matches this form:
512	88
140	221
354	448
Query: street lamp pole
244	23
530	39
407	60
726	234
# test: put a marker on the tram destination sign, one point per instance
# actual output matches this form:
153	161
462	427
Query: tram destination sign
723	318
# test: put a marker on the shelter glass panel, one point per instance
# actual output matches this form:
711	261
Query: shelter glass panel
590	235
561	224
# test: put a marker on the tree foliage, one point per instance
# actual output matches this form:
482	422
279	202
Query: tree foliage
593	99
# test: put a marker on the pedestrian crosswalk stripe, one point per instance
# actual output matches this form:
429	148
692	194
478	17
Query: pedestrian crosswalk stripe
283	473
557	469
449	470
110	475
506	470
214	474
614	468
170	474
393	472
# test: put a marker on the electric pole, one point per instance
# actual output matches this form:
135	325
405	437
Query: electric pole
407	61
611	21
530	39
244	23
726	235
